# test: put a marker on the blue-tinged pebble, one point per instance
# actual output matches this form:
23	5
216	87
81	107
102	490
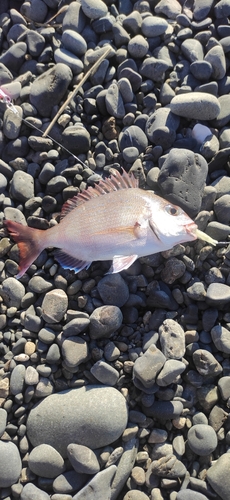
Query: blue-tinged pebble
74	42
94	9
216	57
133	136
66	57
153	26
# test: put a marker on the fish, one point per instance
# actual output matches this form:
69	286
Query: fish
114	220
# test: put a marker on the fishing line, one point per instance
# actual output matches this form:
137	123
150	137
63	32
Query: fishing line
8	102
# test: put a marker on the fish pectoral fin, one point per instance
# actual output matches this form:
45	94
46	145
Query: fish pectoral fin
69	262
121	262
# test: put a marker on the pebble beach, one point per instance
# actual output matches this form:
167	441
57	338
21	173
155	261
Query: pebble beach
115	386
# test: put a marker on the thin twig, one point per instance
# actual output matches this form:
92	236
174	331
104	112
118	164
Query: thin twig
74	92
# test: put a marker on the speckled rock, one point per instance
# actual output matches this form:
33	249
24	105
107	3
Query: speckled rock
45	461
10	464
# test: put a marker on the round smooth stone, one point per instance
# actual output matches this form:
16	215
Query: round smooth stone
94	9
54	306
104	321
138	46
216	57
153	26
190	495
202	439
10	464
45	461
92	416
31	491
83	459
74	42
66	57
221	338
218	476
218	294
195	105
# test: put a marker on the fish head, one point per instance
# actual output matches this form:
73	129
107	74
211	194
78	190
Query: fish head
170	223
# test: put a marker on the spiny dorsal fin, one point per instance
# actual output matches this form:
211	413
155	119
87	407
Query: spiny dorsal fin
115	182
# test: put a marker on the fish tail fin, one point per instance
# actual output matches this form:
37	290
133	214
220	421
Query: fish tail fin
30	242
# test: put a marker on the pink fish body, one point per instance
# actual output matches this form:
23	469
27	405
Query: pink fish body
115	220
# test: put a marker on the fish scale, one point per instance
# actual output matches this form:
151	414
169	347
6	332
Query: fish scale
115	220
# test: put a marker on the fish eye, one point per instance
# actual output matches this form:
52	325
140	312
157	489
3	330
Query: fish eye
172	210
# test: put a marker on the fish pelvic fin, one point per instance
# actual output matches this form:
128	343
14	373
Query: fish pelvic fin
121	262
29	241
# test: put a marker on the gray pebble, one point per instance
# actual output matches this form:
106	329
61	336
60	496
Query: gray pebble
10	464
222	118
168	466
224	387
113	290
135	495
154	68
133	137
17	379
3	420
35	42
138	47
48	89
192	50
170	371
12	123
31	376
202	439
13	57
183	168
45	461
161	127
94	9
12	292
99	487
206	364
74	42
220	337
114	102
93	416
74	351
195	105
190	495
74	18
164	410
147	366
153	26
218	294
132	22
216	57
31	491
218	476
104	321
105	373
170	9
83	459
67	58
38	284
69	482
125	466
44	388
76	326
125	88
22	186
172	339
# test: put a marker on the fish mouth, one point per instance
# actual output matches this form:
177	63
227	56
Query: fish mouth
191	229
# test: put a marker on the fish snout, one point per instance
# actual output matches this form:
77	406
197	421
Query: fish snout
191	228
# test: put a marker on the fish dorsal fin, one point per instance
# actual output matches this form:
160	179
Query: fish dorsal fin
115	182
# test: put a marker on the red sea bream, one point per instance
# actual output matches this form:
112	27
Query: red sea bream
115	220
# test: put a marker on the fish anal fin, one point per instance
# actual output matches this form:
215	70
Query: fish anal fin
69	262
115	182
121	262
